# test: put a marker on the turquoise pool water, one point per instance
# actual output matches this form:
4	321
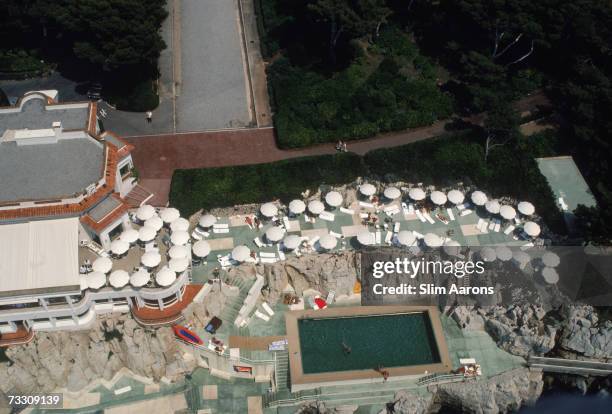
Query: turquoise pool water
374	340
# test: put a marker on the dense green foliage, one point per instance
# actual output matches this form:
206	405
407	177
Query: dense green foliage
343	74
511	170
111	41
220	187
561	45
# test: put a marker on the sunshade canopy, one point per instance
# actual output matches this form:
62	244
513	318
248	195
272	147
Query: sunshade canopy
201	248
180	224
102	265
168	215
165	277
119	278
432	240
178	252
455	196
297	206
479	198
392	193
405	238
96	280
129	235
417	194
333	198
526	208
367	189
151	259
241	253
146	233
532	229
268	210
119	246
292	241
328	241
145	212
438	197
316	207
154	222
274	234
207	220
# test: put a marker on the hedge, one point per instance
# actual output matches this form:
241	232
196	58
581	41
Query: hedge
510	171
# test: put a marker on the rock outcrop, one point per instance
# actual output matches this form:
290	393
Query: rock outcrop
584	335
73	359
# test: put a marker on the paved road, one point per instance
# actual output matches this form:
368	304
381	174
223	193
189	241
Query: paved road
213	91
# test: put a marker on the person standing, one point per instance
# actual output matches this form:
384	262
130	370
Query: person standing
149	116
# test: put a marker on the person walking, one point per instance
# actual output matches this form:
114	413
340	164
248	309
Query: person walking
149	116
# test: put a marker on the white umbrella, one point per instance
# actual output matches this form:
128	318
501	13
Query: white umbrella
479	198
129	235
154	222
165	277
297	207
201	248
438	197
316	207
146	233
178	265
503	253
521	257
333	199
207	220
365	238
274	234
140	278
328	241
241	253
145	212
392	193
487	254
532	229
551	259
180	224
119	278
417	194
550	275
102	265
96	280
179	238
292	241
526	208
455	196
367	189
151	259
452	248
119	246
178	252
405	237
492	206
268	210
168	215
432	240
507	212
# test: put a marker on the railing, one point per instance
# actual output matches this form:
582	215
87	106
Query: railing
570	366
226	354
439	378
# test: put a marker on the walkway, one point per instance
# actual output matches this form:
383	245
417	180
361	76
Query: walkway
570	366
156	157
172	313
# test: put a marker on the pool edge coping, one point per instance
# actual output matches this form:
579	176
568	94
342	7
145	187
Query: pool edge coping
309	381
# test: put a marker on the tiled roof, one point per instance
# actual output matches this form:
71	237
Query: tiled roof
110	168
100	224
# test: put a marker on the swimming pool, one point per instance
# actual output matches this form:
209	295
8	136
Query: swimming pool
349	345
366	342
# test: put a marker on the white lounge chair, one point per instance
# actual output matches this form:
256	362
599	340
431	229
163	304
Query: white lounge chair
509	230
347	210
451	216
267	308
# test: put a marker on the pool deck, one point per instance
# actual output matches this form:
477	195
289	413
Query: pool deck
301	381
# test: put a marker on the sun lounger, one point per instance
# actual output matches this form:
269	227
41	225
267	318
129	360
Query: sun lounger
363	215
509	230
463	206
201	232
391	210
526	246
517	221
466	212
347	210
312	303
418	235
269	260
410	208
396	227
327	216
267	308
281	255
336	235
262	316
267	254
428	218
123	390
330	297
405	208
286	222
388	237
441	217
451	216
220	230
258	242
481	225
195	235
366	205
491	225
378	240
420	216
220	226
497	225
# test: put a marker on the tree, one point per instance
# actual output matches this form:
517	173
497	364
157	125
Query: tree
501	126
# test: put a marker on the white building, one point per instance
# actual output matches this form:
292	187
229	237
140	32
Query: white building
64	197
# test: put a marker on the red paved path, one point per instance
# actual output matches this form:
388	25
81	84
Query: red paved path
157	156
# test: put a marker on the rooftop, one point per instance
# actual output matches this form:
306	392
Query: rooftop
42	254
49	171
35	113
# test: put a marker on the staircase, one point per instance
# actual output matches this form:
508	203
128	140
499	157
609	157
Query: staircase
281	372
138	196
232	307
